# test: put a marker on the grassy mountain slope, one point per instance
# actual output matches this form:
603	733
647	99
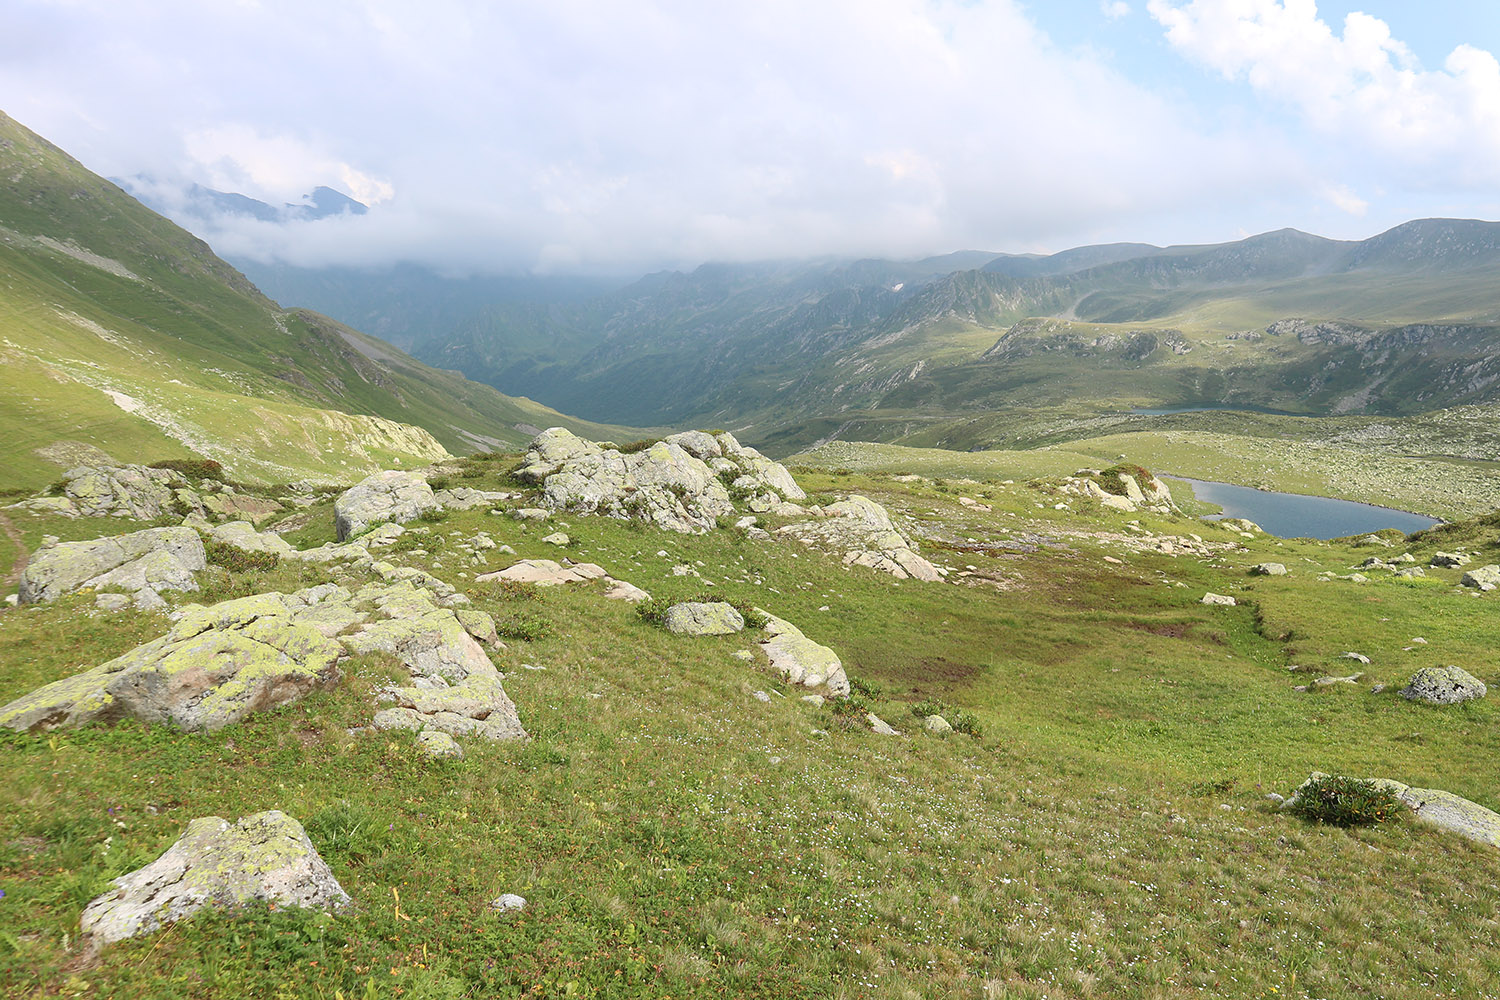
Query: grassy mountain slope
1106	833
124	333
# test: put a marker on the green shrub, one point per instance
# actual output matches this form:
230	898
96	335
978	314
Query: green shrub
631	447
653	611
439	482
923	709
236	559
963	722
193	468
1345	801
418	540
433	516
511	590
865	689
523	627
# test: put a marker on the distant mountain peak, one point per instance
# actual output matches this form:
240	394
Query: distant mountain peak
199	202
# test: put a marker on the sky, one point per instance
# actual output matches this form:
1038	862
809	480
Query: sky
578	137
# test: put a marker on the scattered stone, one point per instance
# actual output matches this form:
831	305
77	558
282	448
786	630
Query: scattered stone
1219	599
1443	686
1483	578
1268	569
879	725
801	660
1450	560
112	602
762	696
392	496
1113	561
261	858
1418	640
508	902
815	700
531	514
704	618
151	560
937	724
1357	657
559	538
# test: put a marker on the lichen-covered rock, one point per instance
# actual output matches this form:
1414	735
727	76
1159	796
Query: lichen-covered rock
130	490
879	725
386	496
242	535
216	666
676	484
1483	578
1220	599
704	618
439	744
154	559
455	688
937	724
239	506
1436	807
266	857
1450	560
863	531
801	660
619	590
480	625
1443	686
1268	569
464	498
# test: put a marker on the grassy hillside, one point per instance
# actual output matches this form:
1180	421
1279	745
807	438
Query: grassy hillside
1105	834
124	334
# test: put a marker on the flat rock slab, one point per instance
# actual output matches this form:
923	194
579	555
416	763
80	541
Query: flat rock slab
261	858
242	535
546	573
154	559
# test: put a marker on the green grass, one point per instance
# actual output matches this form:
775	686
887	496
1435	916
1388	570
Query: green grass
1106	835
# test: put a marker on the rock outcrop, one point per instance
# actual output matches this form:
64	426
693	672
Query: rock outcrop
242	535
266	857
143	562
214	667
546	573
395	497
1443	686
684	483
863	532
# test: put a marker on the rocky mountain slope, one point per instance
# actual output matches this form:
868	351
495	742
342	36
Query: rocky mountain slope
124	337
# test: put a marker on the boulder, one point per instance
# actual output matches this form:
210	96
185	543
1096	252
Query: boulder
879	725
863	531
619	590
1450	560
1443	686
128	491
1220	599
216	666
937	724
242	535
261	858
1436	807
801	660
439	744
704	618
558	538
238	506
393	496
464	498
154	559
1268	569
1483	578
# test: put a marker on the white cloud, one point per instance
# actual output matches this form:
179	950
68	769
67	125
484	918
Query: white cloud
1362	86
577	134
1345	200
1114	9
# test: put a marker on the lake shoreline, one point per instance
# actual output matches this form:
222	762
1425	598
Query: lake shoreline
1313	511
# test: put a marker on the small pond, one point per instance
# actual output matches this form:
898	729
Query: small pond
1294	515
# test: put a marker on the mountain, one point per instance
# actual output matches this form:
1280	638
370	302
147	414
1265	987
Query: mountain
126	335
196	202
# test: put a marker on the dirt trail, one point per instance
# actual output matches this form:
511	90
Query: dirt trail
14	576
